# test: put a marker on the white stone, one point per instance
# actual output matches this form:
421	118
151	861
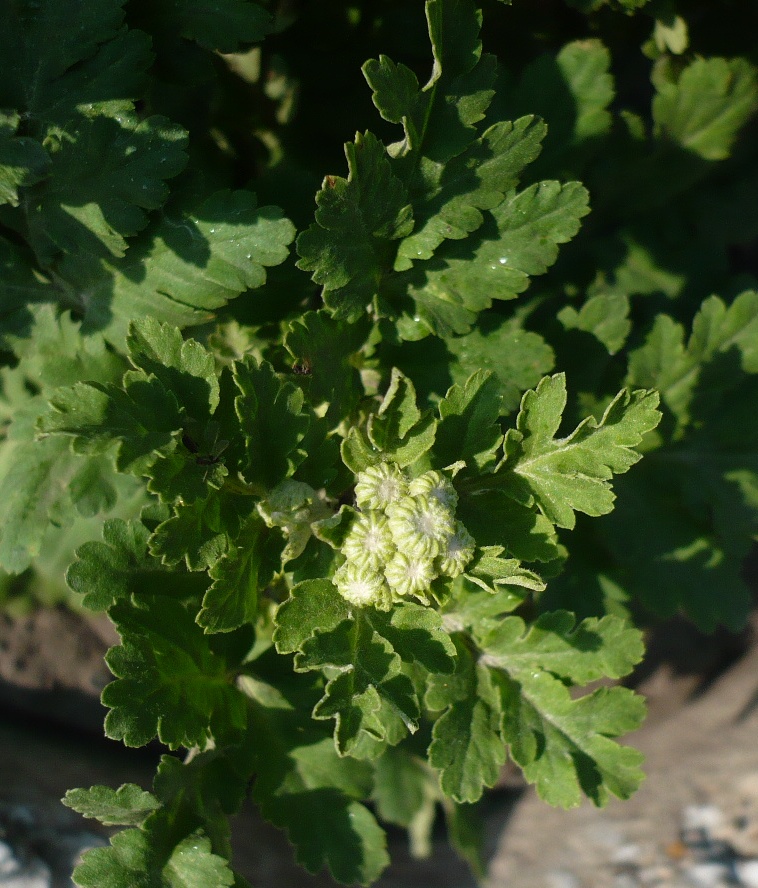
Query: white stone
747	870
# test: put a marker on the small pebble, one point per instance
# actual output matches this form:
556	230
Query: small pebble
747	872
34	875
562	879
709	875
702	817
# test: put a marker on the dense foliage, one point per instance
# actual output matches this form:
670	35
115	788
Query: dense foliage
350	496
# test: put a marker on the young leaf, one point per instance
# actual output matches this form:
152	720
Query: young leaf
356	221
106	572
169	683
197	534
232	599
132	859
272	421
129	805
372	702
469	427
397	431
572	474
467	746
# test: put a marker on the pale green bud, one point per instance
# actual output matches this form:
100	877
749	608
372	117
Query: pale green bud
369	543
410	575
362	586
456	555
420	525
437	486
380	485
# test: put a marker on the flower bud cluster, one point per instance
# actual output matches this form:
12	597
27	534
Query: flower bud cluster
404	538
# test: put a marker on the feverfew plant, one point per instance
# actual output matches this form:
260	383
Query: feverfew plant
352	504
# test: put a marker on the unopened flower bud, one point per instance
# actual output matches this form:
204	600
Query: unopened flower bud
437	486
420	525
380	485
410	575
369	543
362	586
457	553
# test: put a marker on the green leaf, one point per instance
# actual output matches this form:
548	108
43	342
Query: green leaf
119	566
272	421
92	64
346	249
184	367
398	431
469	427
592	649
685	522
222	26
372	702
704	110
402	788
303	785
129	805
467	747
478	179
496	519
604	315
132	860
565	746
143	418
572	474
516	357
103	178
198	533
23	161
492	572
439	119
232	599
186	264
571	91
417	634
322	348
518	241
313	606
169	683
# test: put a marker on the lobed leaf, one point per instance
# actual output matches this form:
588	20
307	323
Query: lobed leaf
129	805
704	110
565	746
572	474
169	682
